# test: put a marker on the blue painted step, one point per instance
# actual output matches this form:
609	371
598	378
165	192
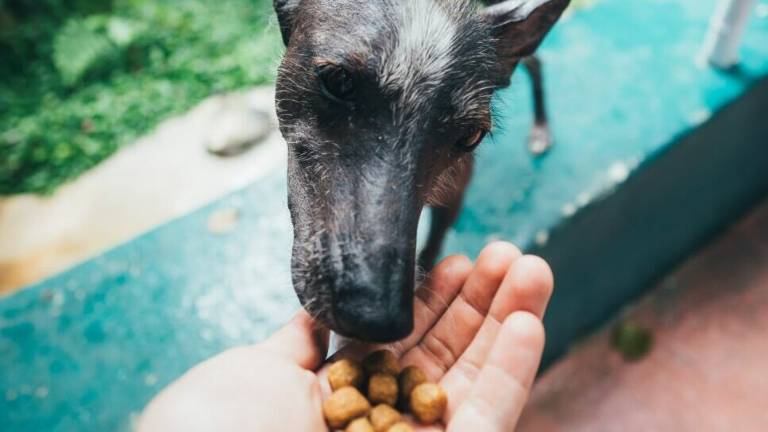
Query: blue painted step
86	349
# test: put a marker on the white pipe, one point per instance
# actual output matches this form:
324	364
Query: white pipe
731	17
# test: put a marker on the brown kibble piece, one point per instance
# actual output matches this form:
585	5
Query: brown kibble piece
408	379
345	404
383	416
360	425
382	388
400	427
428	402
382	361
345	373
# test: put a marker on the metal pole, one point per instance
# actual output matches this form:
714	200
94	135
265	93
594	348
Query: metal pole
721	47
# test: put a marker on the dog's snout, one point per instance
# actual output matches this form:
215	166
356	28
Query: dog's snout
378	325
375	303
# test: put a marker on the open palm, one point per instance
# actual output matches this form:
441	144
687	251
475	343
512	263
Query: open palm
477	332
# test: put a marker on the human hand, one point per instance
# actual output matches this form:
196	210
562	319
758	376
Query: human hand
477	332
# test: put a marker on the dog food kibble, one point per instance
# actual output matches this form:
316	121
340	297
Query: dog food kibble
400	427
408	379
386	387
345	373
383	417
382	388
344	405
428	402
381	362
360	425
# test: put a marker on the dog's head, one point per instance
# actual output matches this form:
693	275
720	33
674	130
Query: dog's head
381	102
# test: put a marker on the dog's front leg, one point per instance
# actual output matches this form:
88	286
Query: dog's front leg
540	139
444	215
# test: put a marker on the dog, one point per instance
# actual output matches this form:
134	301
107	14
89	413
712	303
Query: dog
382	103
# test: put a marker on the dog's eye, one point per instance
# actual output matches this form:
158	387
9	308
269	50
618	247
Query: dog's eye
336	82
471	140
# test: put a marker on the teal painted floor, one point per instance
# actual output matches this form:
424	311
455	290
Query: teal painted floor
86	349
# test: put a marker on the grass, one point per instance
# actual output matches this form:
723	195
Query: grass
81	78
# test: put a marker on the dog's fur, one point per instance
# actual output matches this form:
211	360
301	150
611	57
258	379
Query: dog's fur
417	80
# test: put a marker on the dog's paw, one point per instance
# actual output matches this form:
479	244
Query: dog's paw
540	139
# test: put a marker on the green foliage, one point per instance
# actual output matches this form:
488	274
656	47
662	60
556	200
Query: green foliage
79	47
79	84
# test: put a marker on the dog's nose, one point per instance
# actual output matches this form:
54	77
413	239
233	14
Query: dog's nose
373	295
374	324
376	306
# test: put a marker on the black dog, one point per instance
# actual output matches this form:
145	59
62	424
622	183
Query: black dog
382	103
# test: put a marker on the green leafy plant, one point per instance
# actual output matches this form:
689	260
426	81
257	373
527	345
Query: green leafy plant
77	48
96	42
93	75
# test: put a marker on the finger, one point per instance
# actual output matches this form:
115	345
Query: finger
527	286
498	396
302	340
437	351
430	302
433	298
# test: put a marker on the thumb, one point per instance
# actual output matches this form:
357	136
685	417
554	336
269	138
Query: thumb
303	341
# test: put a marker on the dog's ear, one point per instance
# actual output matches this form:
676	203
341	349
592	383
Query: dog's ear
286	12
520	26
